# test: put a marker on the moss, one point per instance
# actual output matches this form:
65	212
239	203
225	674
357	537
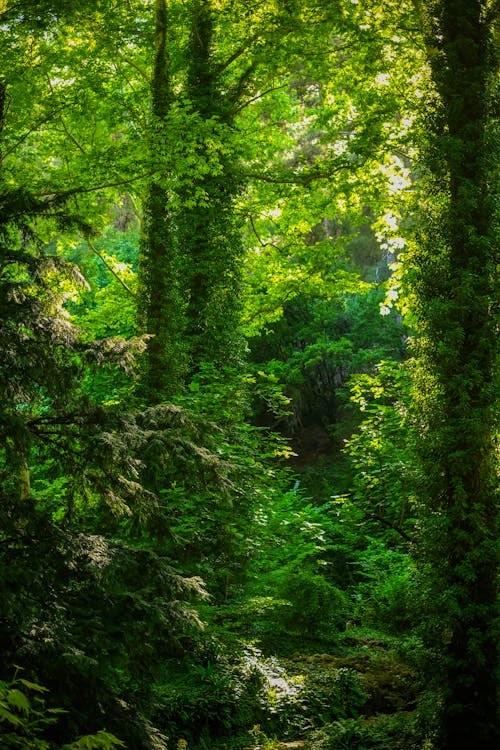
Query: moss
388	683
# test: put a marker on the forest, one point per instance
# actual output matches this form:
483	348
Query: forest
248	374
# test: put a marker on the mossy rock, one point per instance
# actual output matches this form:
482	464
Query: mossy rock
390	685
388	682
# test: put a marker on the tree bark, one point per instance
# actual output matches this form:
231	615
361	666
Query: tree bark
3	100
160	300
209	232
453	280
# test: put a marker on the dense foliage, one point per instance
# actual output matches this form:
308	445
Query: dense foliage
247	375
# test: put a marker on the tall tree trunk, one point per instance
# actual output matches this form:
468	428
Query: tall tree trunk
17	450
160	301
453	271
190	266
208	232
3	99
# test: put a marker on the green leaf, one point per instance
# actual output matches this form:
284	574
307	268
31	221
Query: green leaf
32	686
18	700
6	715
100	741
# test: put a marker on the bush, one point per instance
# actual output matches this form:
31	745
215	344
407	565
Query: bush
386	596
312	604
213	693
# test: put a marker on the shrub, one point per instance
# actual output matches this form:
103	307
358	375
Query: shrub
313	604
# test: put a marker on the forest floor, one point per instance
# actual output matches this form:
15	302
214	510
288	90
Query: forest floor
325	701
359	690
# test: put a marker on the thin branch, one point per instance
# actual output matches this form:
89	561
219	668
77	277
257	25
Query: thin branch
57	419
66	129
299	179
109	267
135	208
293	291
382	520
261	242
266	310
258	96
139	114
134	65
35	127
71	136
79	190
236	54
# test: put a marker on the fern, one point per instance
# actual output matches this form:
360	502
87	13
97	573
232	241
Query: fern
24	719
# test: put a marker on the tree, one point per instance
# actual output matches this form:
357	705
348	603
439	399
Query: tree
451	273
208	228
379	450
191	251
204	139
268	133
161	304
61	439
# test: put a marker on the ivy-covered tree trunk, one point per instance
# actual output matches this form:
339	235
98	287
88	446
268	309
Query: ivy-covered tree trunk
209	234
191	247
17	446
452	276
160	303
3	99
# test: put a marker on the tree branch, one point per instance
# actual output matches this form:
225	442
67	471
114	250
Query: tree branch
26	135
72	137
382	520
79	190
236	54
66	129
134	65
294	178
237	91
258	96
261	242
109	267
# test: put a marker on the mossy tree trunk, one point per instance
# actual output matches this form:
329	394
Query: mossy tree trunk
161	304
208	230
452	275
191	249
